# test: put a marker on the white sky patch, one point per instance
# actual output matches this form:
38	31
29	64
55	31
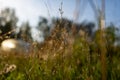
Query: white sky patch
30	10
26	10
37	35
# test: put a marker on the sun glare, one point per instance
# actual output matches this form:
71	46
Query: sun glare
8	44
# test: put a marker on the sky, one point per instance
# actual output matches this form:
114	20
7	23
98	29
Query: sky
31	10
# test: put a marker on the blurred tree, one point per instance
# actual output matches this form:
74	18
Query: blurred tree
43	26
111	38
62	23
25	32
88	28
8	22
74	28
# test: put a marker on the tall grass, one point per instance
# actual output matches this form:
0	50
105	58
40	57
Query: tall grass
64	56
61	57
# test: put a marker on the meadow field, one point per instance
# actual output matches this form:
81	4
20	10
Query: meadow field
61	49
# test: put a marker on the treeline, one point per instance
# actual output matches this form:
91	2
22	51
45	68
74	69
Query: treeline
9	28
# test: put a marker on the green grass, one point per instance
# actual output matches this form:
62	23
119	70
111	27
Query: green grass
59	60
